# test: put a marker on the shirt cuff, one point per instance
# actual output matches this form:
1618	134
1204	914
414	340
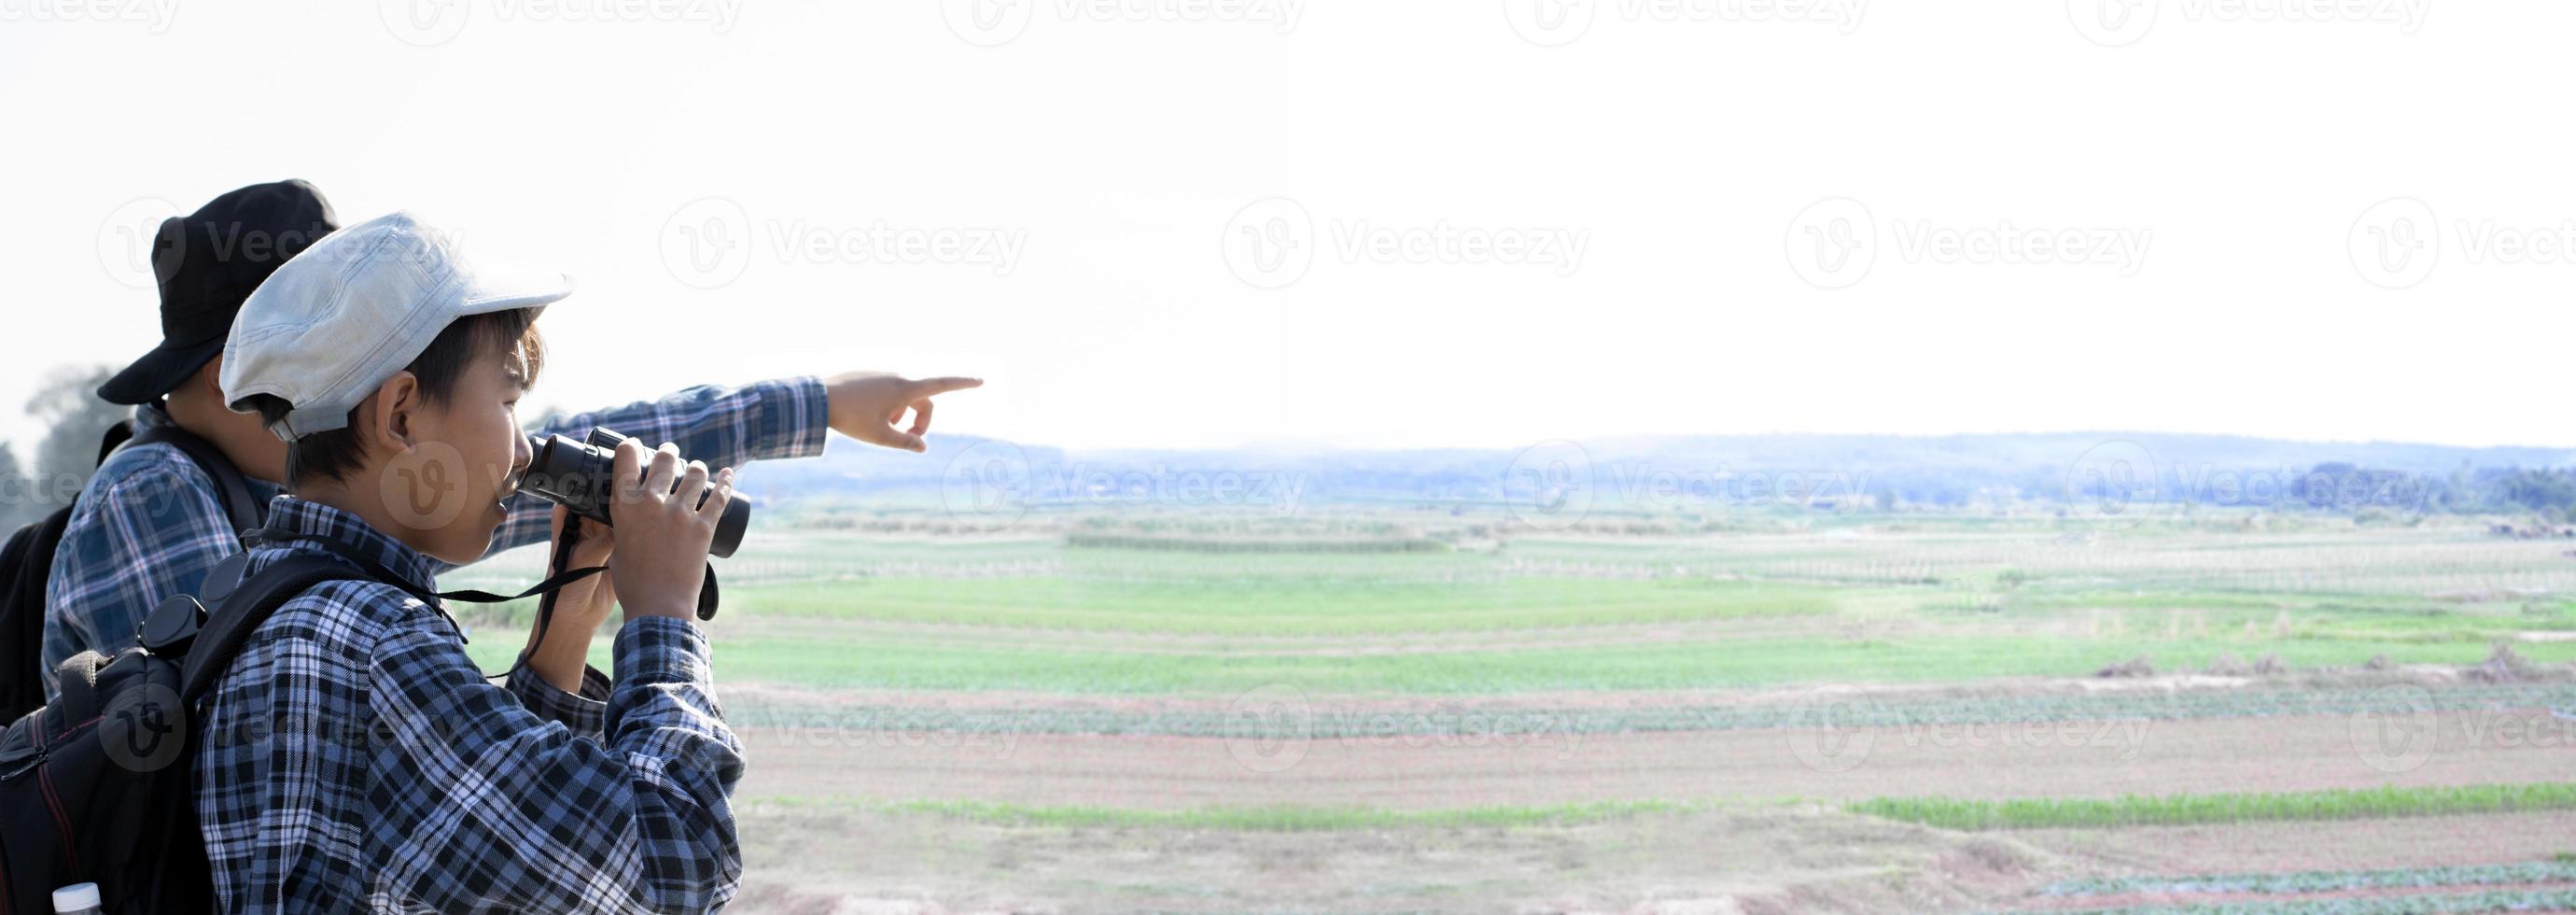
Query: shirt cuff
586	715
654	650
794	420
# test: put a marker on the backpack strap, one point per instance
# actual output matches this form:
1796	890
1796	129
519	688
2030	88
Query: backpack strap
230	488
116	437
248	604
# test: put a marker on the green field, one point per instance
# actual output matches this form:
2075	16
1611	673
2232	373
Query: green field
842	611
1088	677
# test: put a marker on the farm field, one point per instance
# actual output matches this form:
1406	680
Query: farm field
1819	712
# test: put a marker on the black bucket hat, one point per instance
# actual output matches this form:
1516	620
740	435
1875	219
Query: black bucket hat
208	262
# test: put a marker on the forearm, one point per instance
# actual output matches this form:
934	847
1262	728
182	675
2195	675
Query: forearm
562	656
718	426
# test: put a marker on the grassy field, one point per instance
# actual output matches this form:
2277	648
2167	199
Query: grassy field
2167	810
1123	688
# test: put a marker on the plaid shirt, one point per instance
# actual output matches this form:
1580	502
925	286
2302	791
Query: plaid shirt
149	524
353	759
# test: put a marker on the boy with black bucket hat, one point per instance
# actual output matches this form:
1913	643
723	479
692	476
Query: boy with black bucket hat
166	508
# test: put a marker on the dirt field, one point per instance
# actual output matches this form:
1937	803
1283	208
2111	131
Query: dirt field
1773	861
2071	759
1598	726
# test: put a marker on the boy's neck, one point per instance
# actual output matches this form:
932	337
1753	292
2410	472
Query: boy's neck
358	500
250	446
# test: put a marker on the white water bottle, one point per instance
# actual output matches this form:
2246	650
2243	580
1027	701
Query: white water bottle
78	899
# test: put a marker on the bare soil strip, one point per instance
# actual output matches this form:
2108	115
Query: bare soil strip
2104	759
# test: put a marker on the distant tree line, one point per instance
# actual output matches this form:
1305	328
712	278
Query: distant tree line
66	405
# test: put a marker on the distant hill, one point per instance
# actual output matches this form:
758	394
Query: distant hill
1687	470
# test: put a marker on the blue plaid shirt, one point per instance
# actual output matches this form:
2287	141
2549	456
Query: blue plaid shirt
354	760
149	524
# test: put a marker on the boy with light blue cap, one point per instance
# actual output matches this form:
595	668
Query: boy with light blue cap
393	367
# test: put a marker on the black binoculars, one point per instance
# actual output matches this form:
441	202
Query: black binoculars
581	477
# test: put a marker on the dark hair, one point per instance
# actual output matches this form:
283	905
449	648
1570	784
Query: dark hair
332	455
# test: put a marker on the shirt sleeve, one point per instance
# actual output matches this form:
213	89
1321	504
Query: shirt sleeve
148	535
585	714
502	808
723	427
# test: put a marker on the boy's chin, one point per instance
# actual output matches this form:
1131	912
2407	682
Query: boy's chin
464	545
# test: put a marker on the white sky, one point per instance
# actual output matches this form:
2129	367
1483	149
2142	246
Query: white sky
2241	148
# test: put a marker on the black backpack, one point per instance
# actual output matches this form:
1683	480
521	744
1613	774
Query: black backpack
28	562
94	788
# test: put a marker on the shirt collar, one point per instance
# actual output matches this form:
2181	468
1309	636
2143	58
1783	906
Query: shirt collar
298	516
152	414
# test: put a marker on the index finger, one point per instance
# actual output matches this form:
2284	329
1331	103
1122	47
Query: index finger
942	385
630	469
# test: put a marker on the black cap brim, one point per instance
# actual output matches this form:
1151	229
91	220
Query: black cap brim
159	372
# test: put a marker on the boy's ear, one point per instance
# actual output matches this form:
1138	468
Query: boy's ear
388	416
211	375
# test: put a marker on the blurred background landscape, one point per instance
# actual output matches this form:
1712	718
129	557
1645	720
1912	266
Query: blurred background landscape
1522	456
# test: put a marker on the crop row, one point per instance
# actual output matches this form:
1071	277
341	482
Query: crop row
2556	871
1262	818
2550	900
2167	810
1326	719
